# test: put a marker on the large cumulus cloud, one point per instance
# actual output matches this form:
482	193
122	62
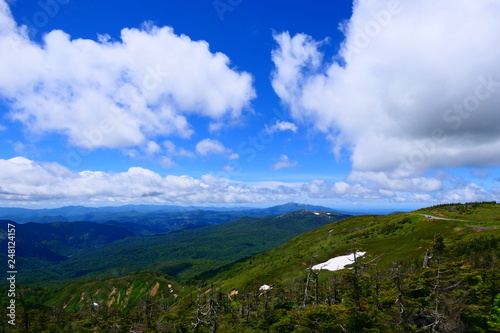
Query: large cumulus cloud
415	86
117	93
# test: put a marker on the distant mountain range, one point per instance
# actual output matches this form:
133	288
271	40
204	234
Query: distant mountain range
156	219
62	250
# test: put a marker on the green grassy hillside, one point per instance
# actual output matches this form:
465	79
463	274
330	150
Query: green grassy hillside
112	305
482	214
121	293
402	237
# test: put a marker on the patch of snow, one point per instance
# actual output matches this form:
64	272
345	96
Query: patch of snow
338	263
316	213
265	287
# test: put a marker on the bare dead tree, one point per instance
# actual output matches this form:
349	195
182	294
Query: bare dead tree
199	314
311	272
449	298
427	257
306	289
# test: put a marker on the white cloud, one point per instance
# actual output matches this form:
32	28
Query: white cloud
284	162
417	190
387	181
322	189
163	154
19	147
496	193
132	153
419	88
167	162
152	148
173	150
209	146
481	174
281	126
468	193
23	180
117	93
214	147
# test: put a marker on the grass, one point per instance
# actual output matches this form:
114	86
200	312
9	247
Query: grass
403	237
482	213
124	293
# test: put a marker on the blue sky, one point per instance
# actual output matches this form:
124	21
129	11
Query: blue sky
233	102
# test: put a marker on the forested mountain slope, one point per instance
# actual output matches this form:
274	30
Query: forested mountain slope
183	254
433	270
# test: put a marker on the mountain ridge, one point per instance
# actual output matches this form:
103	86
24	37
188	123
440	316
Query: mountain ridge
125	213
183	253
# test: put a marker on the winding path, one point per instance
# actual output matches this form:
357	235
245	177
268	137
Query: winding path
443	218
469	226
